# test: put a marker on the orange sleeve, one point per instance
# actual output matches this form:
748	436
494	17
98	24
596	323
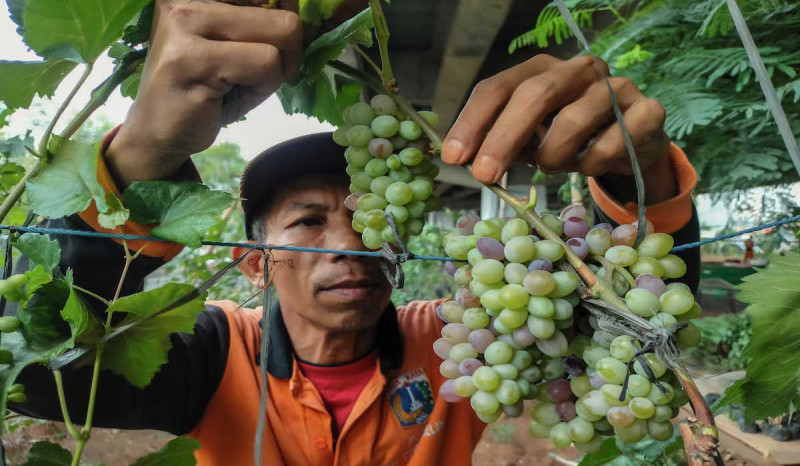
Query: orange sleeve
668	216
162	249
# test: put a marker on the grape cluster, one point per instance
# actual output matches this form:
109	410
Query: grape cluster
515	330
390	170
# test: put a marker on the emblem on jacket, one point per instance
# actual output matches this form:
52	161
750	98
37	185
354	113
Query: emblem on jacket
411	398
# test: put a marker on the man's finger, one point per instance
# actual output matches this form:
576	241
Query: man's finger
531	102
246	64
486	101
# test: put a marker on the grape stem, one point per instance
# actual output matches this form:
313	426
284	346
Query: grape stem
382	33
610	266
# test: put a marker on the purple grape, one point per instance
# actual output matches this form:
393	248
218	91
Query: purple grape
523	336
573	210
469	366
380	147
480	339
651	283
559	390
578	246
596	381
604	226
541	264
466	223
575	227
447	392
351	201
566	410
574	366
490	248
442	348
514	410
440	315
450	268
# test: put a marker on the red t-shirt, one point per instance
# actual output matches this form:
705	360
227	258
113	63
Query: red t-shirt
340	384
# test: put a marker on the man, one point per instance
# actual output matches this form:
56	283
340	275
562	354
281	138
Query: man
342	359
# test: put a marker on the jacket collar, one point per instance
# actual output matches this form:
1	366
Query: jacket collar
389	341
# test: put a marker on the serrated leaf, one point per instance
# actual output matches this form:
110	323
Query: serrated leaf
316	11
86	27
138	30
16	10
177	452
40	249
607	452
324	99
138	353
42	326
24	80
15	147
183	211
116	214
37	277
69	183
773	374
45	453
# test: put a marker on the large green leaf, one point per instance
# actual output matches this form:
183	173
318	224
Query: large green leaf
40	249
139	351
316	11
16	10
177	452
23	80
183	211
45	453
329	46
77	29
773	375
607	452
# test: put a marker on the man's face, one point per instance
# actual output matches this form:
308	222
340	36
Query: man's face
334	292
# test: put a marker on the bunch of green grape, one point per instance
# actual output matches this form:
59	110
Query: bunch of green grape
390	168
515	330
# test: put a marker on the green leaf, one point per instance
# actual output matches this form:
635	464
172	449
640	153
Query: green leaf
316	11
40	249
45	453
116	214
42	326
773	375
69	183
86	27
177	452
138	30
138	353
37	277
15	147
16	10
325	99
130	87
23	357
82	323
24	80
183	211
608	452
11	174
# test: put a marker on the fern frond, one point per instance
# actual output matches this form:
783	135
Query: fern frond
550	24
718	22
632	57
686	108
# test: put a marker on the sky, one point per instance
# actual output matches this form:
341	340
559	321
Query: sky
265	126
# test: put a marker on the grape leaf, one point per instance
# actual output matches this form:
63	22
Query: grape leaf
324	99
773	374
15	147
16	10
23	357
76	29
10	174
116	214
23	80
316	11
138	30
177	452
183	211
138	353
130	87
37	277
45	453
40	249
69	183
608	452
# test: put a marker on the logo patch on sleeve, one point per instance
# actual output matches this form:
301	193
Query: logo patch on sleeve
411	398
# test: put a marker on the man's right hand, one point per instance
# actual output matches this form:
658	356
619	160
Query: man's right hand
208	64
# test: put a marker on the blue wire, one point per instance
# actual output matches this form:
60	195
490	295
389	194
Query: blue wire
736	233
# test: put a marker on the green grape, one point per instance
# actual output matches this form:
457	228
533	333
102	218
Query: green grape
521	360
513	296
596	404
655	245
563	324
549	249
554	223
430	117
599	241
370	202
662	319
378	185
541	328
474	256
595	445
519	249
554	369
358	227
678	285
399	193
532	374
486	379
416	209
487	229
464	386
539	283
488	271
360	216
566	283
512	318
676	302
359	136
545	414
612	370
612	392
581	430
579	344
622	348
660	430
452	311
422	167
638	385
432	203
462	351
399	213
358	157
642	302
401	175
527	391
414	227
642	408
411	156
475	318
635	433
580	385
433	172
393	162
655	363
491	300
361	113
374	219
662	413
484	403
409	130
647	265
674	266
383	104
479	289
498	352
463	275
385	126
541	307
555	346
679	398
371	238
421	189
622	255
538	430
508	393
352	170
593	354
660	398
584	412
340	136
564	309
620	416
361	181
515	273
490	418
388	234
514	228
376	168
690	336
